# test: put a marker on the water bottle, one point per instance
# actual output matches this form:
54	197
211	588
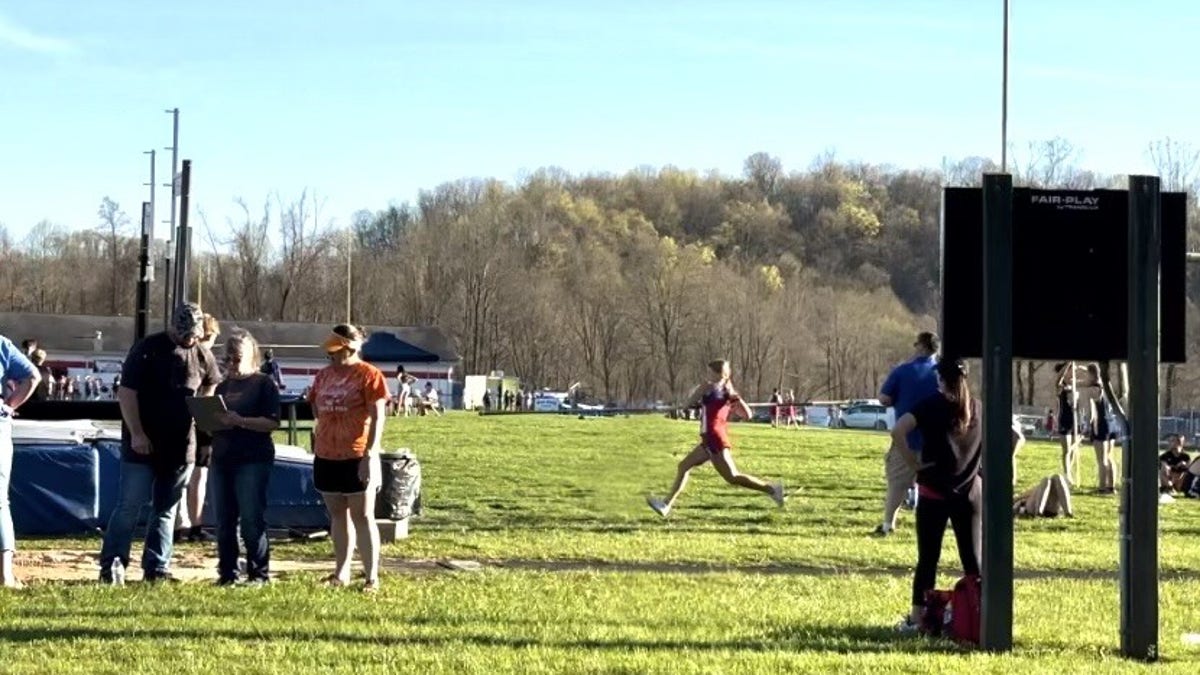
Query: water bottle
118	572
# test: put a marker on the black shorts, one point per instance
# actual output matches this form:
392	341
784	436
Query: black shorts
337	476
203	449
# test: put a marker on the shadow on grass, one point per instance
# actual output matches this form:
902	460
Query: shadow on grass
845	639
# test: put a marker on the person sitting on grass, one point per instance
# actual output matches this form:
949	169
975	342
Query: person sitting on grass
1049	498
430	400
717	400
948	480
1173	475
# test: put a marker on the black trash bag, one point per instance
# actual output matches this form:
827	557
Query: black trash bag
400	493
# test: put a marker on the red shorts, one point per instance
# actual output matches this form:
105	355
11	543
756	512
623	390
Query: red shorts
715	441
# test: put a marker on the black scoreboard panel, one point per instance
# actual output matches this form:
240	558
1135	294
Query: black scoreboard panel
1070	297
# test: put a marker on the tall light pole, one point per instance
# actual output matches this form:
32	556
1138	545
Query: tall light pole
152	186
349	271
1004	99
172	240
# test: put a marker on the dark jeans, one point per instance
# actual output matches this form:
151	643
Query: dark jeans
965	513
239	493
142	485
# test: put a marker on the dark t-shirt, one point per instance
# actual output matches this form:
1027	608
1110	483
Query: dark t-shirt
253	396
949	465
164	374
272	370
1175	460
42	391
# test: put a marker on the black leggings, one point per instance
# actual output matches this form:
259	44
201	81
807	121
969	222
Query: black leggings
965	513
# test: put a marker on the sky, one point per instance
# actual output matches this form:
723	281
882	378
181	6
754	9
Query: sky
372	101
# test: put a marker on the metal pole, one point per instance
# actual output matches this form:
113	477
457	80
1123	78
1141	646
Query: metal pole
143	283
168	279
148	229
183	255
349	272
996	633
1139	496
1004	99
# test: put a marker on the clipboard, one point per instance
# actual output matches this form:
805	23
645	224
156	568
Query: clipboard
206	410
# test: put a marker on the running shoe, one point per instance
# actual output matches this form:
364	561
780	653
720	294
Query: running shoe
777	493
882	531
660	507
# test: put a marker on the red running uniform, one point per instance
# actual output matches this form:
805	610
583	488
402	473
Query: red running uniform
714	418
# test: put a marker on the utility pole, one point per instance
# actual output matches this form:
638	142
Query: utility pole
144	273
349	272
168	286
145	264
184	252
1004	99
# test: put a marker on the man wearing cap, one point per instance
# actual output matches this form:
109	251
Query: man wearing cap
158	439
907	385
270	368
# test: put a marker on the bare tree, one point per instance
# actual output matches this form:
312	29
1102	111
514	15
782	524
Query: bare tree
1176	163
304	240
113	223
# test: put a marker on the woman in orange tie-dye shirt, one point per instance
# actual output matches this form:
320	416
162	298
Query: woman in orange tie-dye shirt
349	398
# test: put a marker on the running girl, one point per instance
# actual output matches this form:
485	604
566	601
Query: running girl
716	400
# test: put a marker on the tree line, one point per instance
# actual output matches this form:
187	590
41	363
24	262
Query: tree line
814	280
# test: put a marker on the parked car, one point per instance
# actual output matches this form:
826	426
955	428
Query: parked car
866	416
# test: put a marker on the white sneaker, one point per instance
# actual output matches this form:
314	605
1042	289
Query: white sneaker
777	493
1165	498
660	507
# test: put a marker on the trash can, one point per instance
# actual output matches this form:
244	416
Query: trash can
400	490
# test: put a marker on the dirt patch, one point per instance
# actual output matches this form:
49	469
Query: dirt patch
85	566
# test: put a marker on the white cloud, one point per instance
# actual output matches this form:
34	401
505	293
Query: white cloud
19	37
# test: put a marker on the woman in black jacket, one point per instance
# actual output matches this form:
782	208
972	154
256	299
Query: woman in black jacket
948	480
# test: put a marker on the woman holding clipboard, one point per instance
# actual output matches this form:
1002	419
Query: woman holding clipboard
243	454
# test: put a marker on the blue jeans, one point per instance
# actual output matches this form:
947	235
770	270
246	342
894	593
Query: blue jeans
8	537
239	494
141	486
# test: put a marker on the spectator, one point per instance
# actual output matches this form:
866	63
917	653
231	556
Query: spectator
947	478
1103	436
1050	422
430	400
191	511
348	398
42	392
403	391
790	401
242	457
28	347
1173	469
18	370
907	385
1068	425
776	407
270	367
158	439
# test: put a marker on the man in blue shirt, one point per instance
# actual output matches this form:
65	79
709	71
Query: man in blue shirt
19	378
907	385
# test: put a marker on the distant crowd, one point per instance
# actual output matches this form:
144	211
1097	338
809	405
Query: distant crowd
63	386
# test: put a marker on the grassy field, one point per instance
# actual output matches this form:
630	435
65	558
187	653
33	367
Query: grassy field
581	576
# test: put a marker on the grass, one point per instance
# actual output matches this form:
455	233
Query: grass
801	589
